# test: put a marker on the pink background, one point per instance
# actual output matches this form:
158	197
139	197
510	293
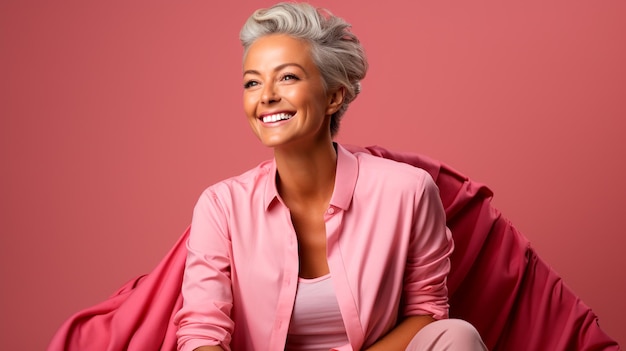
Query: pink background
116	115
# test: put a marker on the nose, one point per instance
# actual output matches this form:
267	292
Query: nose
269	94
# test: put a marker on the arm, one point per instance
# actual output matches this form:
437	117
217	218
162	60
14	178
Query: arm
400	337
205	318
424	289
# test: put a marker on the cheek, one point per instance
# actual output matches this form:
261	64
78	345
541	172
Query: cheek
299	97
249	105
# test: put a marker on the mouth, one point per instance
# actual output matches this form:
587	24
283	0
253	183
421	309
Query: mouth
276	117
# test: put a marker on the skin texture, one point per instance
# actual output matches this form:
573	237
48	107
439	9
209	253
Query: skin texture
279	76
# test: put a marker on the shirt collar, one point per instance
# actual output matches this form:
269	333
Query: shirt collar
345	181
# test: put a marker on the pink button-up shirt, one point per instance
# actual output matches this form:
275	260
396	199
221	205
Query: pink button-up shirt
387	248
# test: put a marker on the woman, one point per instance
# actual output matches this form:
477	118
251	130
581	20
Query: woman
319	248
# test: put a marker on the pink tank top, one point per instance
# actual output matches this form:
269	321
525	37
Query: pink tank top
316	322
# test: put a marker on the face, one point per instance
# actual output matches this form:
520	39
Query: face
284	96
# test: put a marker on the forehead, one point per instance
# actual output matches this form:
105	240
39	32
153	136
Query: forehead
276	49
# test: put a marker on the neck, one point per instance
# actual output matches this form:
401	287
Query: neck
306	176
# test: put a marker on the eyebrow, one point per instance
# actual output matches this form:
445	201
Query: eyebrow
277	68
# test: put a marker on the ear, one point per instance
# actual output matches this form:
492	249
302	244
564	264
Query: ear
335	100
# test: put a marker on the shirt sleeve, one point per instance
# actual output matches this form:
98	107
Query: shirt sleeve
428	263
205	318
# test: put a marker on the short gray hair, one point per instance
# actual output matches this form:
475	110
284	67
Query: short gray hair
336	51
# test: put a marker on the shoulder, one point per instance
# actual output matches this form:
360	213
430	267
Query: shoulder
391	173
245	184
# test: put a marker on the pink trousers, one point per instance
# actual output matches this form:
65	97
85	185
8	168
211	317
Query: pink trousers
447	334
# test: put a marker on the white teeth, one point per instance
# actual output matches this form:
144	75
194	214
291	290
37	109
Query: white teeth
276	117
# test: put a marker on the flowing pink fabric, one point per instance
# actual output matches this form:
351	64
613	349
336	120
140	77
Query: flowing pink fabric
497	283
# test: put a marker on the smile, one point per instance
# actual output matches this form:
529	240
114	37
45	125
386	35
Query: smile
276	117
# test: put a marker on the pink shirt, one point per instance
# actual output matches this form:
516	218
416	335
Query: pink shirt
388	252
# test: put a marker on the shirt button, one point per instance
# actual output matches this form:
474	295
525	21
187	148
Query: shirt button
330	210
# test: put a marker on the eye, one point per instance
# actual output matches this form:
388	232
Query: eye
250	84
289	76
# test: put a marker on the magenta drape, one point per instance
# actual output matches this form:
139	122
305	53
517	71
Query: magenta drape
497	283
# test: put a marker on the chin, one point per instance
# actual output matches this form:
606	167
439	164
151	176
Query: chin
273	140
271	143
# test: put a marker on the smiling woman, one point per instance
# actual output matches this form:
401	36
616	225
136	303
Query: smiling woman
115	115
284	97
335	51
319	248
257	234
